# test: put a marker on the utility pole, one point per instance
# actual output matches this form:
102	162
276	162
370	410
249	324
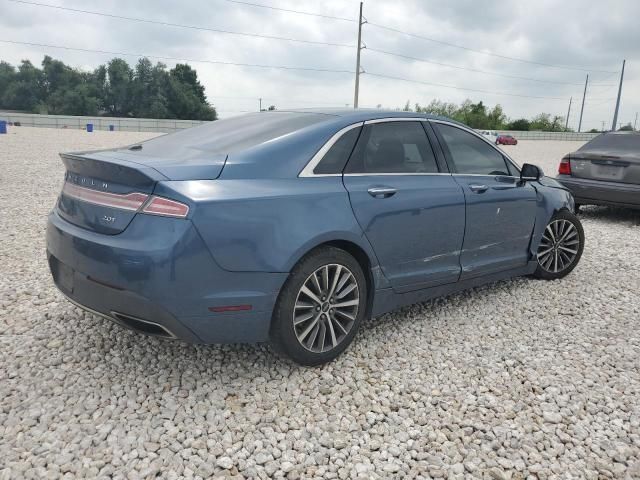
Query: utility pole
586	82
635	122
566	123
615	115
602	130
355	95
260	104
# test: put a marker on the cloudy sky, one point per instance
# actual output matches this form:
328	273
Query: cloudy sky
583	37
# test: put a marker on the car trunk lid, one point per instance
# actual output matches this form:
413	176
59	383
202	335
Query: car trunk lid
623	167
104	190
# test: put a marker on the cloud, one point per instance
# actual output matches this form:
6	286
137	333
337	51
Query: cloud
571	33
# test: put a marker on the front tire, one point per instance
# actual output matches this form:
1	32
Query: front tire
560	247
320	307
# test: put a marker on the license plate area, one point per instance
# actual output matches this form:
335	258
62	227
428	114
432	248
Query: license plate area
609	172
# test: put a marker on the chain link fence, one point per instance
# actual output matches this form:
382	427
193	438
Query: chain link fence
166	126
99	123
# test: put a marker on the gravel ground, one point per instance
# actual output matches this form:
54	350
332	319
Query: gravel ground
520	379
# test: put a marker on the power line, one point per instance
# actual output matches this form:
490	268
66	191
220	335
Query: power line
179	25
291	11
281	67
505	57
408	57
162	57
459	88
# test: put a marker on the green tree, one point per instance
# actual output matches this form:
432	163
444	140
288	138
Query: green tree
521	124
186	98
626	128
7	78
26	91
496	118
118	92
148	91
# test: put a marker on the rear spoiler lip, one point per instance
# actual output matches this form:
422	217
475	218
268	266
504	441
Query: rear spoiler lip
112	169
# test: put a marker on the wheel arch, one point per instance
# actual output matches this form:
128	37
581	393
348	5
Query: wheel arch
363	254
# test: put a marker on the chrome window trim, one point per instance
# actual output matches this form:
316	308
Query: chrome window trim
394	119
307	171
473	132
482	175
401	174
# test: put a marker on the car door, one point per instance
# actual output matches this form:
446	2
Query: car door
500	210
410	209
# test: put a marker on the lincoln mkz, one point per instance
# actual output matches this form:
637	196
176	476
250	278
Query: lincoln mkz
294	227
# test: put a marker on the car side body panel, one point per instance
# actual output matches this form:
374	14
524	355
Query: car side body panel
267	225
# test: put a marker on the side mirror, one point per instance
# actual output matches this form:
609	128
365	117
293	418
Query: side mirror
530	173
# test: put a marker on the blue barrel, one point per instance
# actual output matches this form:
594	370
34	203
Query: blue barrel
89	127
3	126
111	128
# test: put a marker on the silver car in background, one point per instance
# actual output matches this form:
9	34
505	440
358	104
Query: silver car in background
604	171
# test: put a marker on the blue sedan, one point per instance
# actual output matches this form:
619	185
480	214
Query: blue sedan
293	227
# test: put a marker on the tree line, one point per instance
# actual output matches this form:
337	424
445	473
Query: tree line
478	115
115	89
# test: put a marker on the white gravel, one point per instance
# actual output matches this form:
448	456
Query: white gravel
520	379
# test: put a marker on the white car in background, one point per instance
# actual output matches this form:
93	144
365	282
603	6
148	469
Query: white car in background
490	135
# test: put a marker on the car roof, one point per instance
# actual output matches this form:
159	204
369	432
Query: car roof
362	114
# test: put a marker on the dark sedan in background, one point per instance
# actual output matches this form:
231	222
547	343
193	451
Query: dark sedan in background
604	171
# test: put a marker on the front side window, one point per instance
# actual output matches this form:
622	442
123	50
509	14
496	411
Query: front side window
471	155
393	147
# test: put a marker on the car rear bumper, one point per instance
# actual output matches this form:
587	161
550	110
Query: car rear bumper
158	277
597	192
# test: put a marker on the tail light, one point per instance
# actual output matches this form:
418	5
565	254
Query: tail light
565	166
130	201
136	202
165	207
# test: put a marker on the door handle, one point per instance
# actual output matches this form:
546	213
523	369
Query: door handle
476	188
382	192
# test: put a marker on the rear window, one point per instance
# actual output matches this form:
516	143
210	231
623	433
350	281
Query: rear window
617	142
232	134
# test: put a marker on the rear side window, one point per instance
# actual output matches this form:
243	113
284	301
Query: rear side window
336	157
393	147
470	154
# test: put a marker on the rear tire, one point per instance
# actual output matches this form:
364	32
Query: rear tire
560	247
315	319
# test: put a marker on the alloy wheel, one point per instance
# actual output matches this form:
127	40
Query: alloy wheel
559	246
326	308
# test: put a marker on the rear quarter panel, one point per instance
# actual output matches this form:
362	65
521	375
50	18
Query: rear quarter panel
267	225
